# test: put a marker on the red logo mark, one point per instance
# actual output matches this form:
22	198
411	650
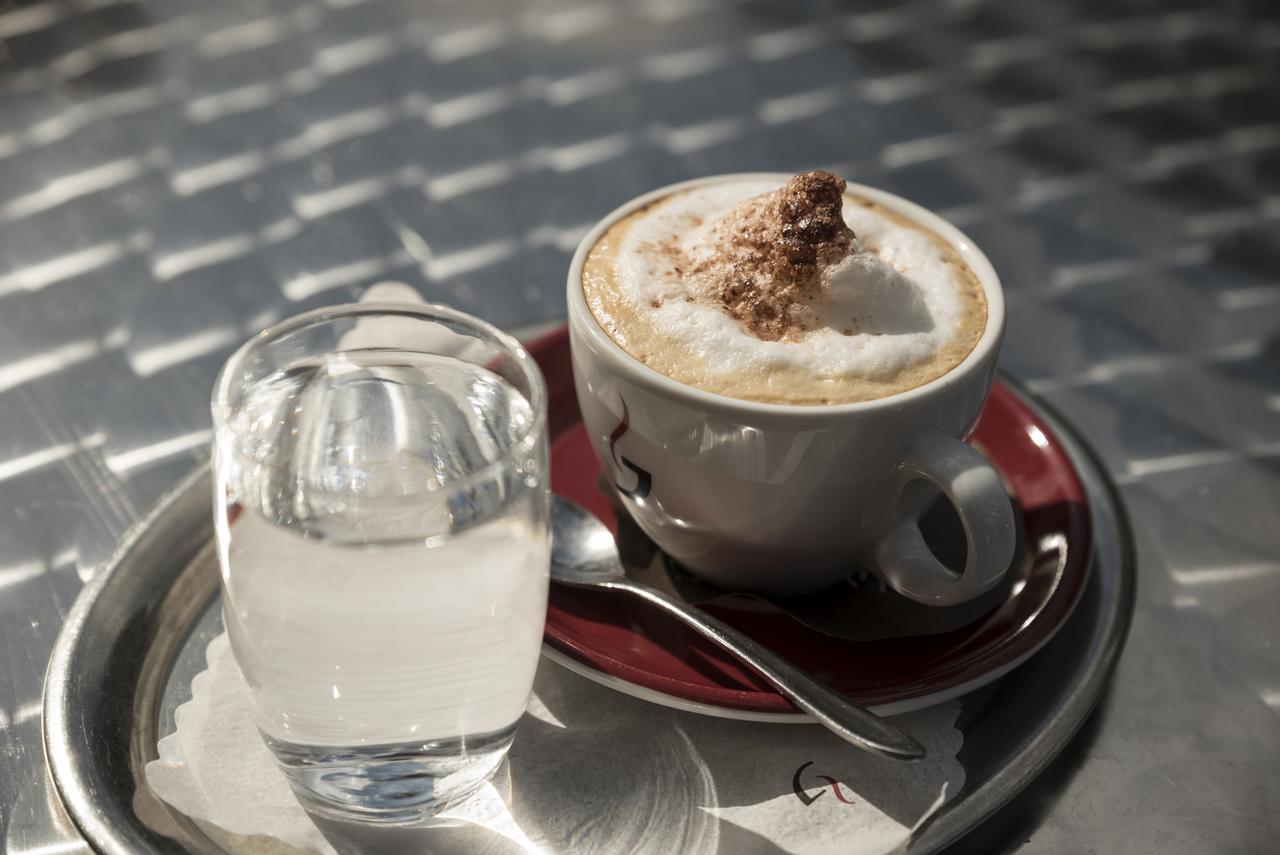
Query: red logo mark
644	481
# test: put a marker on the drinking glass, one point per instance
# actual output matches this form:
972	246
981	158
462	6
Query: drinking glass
381	503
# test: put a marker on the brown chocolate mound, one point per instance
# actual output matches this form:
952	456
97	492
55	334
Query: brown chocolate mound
764	266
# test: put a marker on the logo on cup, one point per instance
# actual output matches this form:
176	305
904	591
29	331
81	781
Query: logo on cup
808	799
644	482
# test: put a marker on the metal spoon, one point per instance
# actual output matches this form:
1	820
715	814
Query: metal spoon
584	554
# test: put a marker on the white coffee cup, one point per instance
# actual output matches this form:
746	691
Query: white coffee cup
787	498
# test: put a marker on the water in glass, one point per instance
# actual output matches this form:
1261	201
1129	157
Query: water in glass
383	541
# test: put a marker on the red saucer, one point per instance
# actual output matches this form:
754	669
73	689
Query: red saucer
617	639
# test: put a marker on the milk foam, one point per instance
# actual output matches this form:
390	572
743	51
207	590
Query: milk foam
895	291
899	310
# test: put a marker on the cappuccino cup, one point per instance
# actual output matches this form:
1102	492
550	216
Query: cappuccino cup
745	472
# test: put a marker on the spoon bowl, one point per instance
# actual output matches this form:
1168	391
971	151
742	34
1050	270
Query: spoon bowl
583	550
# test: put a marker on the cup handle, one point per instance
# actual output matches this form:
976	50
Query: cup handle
904	561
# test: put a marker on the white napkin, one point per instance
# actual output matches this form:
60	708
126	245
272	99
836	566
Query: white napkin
406	332
591	770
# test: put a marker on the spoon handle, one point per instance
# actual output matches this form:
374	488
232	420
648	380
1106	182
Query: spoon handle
854	724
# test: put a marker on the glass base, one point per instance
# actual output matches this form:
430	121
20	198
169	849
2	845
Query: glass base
404	784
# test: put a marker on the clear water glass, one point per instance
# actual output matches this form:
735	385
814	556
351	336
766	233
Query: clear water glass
381	503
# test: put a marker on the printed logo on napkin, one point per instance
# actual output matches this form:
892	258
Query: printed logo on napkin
807	799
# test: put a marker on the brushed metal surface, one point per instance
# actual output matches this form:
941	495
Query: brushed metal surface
175	175
135	639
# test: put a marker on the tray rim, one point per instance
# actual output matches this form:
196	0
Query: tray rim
103	833
1113	532
72	765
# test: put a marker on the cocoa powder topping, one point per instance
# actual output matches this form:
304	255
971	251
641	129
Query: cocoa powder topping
764	263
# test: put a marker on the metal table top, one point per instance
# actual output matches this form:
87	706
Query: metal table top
174	176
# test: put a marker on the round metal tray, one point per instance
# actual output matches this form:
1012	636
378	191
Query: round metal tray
136	637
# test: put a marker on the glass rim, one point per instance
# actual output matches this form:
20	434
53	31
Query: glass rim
224	384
